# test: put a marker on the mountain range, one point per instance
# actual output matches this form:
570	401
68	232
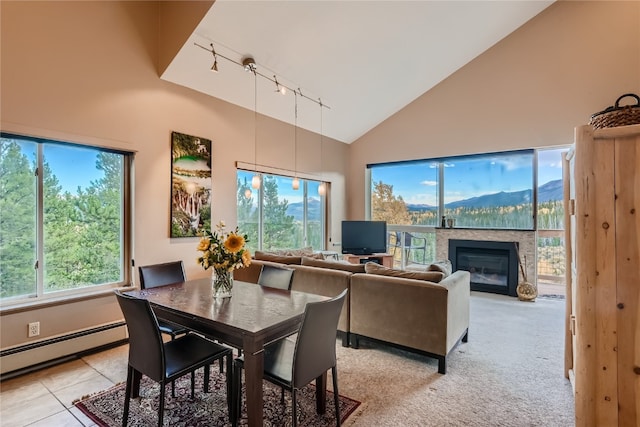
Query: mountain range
551	191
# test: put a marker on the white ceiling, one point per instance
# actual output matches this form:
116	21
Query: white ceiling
366	60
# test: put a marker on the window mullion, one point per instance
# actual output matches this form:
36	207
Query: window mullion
39	222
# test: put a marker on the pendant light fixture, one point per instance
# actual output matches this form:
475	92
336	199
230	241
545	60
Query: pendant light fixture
295	184
322	188
250	65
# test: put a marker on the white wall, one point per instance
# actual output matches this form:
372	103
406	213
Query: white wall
87	72
529	90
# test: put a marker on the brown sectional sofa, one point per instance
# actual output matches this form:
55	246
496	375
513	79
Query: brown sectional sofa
418	315
414	314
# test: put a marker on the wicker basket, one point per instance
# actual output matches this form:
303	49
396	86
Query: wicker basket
616	115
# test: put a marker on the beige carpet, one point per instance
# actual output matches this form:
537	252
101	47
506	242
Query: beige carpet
510	373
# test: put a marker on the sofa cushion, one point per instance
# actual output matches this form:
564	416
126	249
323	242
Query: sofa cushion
431	276
282	259
334	265
443	266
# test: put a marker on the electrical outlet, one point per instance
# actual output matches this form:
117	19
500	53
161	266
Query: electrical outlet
34	329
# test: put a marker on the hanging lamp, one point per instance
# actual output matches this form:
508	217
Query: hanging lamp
295	184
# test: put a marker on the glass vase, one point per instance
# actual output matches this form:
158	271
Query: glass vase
222	283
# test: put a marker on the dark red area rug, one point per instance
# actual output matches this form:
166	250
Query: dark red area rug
206	409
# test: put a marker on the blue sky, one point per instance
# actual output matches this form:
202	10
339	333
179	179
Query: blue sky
73	166
417	182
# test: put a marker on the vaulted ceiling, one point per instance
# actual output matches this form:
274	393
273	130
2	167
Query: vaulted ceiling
365	60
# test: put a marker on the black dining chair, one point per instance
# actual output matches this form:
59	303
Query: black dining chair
276	277
294	364
152	276
161	361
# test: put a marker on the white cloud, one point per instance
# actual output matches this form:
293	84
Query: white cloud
429	183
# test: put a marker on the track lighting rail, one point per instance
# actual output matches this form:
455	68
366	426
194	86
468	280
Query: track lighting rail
253	69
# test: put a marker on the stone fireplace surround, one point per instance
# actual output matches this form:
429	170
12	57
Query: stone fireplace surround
526	240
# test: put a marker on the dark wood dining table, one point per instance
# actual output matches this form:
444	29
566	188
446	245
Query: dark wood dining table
253	317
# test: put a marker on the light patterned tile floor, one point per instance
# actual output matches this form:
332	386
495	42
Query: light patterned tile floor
45	397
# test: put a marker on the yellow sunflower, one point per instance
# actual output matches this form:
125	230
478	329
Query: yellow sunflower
204	244
234	243
246	258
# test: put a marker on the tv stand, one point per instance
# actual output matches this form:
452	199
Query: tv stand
383	259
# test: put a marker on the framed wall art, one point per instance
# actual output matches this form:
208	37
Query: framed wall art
190	185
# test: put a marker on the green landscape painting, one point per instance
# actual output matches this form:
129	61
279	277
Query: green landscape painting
190	185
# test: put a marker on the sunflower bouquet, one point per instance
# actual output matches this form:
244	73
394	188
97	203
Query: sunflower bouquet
222	250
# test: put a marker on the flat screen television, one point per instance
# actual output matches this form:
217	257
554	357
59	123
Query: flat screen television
364	237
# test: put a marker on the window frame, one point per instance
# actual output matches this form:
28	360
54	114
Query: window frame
42	296
442	184
304	188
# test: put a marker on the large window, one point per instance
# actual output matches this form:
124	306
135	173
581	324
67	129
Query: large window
277	217
481	191
63	218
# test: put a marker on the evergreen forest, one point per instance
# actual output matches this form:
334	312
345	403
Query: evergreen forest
82	232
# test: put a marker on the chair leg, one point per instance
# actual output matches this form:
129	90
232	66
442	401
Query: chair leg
173	383
207	375
193	383
336	398
161	405
294	407
127	396
230	404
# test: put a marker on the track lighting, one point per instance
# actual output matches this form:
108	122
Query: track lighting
249	64
296	182
279	87
322	188
214	67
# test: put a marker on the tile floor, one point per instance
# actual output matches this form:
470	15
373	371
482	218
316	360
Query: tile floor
45	397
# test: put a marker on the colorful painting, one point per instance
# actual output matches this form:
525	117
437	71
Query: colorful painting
190	185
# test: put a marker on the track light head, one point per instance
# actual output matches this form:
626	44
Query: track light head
279	87
249	64
214	67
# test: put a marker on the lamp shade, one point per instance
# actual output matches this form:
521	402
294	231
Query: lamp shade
255	181
295	184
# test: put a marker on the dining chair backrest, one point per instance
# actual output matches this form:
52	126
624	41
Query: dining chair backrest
315	350
276	277
155	275
146	351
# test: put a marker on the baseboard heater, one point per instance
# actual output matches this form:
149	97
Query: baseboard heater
48	352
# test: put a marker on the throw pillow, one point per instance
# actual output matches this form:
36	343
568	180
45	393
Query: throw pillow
443	266
282	259
431	276
335	265
294	252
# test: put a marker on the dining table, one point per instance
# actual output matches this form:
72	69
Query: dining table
253	317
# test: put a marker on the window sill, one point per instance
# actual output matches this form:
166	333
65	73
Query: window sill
56	301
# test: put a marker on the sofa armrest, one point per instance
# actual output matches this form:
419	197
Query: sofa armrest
458	285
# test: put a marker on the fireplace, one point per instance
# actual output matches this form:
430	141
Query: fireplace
493	265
